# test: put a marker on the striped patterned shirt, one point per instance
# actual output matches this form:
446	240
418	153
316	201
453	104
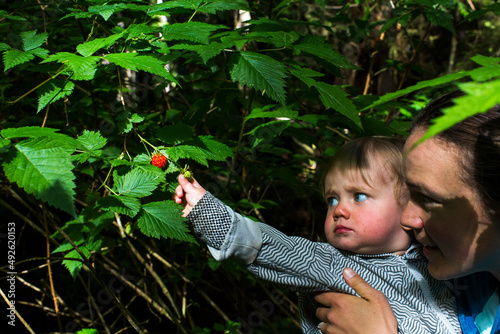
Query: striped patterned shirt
420	303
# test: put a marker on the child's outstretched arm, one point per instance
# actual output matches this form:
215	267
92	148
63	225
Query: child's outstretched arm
188	194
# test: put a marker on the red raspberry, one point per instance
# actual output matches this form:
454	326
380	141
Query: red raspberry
159	160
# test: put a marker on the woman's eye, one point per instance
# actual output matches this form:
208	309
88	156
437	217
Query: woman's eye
332	201
360	197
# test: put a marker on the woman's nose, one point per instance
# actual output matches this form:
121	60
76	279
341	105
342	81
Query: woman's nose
410	219
341	210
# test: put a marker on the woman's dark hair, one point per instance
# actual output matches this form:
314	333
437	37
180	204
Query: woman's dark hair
477	138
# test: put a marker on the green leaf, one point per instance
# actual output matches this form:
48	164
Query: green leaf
89	48
303	73
42	167
27	131
136	183
53	91
31	40
263	113
74	266
36	132
125	205
207	51
91	141
334	97
262	72
4	46
479	98
440	18
327	53
282	38
83	68
88	331
422	84
14	57
163	219
174	134
201	150
212	6
105	10
490	68
267	131
135	62
198	32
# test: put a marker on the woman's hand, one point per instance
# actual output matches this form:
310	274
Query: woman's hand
188	194
344	313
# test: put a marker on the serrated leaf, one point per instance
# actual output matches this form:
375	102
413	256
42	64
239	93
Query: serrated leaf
140	31
207	51
4	46
6	14
53	91
174	134
136	183
175	4
14	57
32	40
327	53
74	266
89	48
40	52
268	131
283	38
135	62
263	113
88	331
105	10
200	149
163	219
489	70
422	84
198	32
440	18
479	98
262	72
125	205
83	68
334	97
36	132
212	6
42	167
91	141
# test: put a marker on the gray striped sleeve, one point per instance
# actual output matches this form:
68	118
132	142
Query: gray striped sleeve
227	234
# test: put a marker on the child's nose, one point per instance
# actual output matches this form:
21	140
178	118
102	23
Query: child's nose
341	211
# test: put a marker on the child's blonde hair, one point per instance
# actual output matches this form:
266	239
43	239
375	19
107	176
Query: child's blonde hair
359	154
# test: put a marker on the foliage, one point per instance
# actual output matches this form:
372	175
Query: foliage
252	97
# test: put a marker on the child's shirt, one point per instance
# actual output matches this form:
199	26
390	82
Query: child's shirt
420	303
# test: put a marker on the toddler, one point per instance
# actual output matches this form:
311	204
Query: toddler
366	195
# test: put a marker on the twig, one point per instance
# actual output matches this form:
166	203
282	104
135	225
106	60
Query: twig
49	269
94	304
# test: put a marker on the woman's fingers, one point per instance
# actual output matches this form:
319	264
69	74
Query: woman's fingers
344	313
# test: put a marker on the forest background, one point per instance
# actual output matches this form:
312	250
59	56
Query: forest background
251	97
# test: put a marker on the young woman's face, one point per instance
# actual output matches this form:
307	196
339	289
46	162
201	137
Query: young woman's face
446	213
363	218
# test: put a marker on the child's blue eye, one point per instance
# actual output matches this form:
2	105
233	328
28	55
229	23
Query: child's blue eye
360	197
332	201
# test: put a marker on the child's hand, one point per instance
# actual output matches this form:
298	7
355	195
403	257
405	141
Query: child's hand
188	194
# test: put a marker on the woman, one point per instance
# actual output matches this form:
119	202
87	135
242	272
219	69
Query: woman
454	211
